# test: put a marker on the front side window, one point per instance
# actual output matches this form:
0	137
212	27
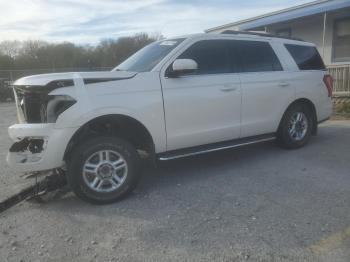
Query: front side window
256	56
210	55
306	57
148	57
341	40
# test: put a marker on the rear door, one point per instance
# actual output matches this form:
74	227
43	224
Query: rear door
266	88
203	107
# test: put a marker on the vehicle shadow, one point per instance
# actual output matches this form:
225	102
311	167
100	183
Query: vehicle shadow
171	174
167	175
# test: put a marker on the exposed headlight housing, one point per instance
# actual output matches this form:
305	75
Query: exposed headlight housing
35	105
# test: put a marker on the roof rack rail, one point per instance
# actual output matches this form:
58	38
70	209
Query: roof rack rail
235	32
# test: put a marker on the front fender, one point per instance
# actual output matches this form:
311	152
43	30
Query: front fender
139	98
152	125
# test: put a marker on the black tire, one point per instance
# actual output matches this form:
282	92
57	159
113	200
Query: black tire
284	137
83	152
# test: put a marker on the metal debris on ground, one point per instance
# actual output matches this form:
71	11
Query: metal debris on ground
51	182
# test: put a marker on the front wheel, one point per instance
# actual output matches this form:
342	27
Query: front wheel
103	170
296	127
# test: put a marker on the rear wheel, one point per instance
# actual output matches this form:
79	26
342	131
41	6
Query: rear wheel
103	170
296	127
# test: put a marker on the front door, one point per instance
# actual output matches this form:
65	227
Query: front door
205	106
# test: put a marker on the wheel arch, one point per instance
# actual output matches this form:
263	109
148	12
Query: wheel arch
120	125
310	105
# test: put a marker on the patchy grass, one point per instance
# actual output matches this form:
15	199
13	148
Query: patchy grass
344	108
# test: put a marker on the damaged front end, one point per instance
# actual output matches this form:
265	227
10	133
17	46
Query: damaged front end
35	105
34	145
28	149
37	143
37	147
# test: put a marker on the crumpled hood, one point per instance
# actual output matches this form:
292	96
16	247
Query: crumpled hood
88	77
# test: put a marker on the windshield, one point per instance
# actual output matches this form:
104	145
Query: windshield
148	57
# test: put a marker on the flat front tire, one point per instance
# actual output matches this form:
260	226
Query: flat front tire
102	170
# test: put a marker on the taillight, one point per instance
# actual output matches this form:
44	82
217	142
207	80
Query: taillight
328	80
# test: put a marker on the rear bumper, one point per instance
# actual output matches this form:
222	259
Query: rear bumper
323	120
324	110
23	158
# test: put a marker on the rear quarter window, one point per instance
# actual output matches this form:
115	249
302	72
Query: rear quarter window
306	57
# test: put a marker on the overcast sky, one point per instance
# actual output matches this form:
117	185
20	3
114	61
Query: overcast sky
88	21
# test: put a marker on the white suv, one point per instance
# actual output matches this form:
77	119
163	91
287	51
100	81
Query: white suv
174	98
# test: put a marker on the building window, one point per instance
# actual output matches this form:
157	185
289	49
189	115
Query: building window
285	32
341	40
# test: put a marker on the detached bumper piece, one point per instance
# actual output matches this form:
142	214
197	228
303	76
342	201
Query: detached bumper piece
50	183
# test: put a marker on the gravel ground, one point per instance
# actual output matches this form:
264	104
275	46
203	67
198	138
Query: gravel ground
258	203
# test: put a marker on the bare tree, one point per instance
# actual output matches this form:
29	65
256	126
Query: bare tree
36	54
10	48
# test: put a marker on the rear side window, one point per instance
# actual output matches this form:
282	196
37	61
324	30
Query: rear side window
210	55
306	57
254	56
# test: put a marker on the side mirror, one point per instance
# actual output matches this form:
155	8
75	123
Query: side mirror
182	66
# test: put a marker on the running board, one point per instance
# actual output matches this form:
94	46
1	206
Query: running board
198	150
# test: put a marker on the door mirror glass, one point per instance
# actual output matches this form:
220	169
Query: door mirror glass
182	66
